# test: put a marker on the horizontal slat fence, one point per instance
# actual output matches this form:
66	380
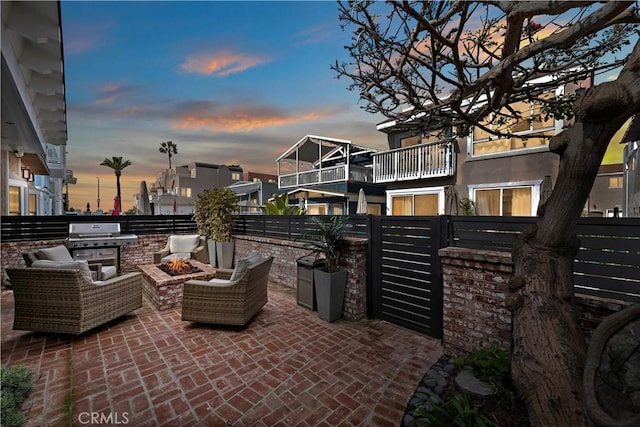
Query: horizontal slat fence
295	227
26	228
607	265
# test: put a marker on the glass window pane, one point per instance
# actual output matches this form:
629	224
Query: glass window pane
33	204
426	204
516	201
401	205
317	209
488	202
14	201
494	146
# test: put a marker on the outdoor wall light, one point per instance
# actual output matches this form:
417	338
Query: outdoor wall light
25	173
31	177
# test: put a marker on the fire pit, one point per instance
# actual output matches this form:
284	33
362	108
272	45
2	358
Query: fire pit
178	267
163	289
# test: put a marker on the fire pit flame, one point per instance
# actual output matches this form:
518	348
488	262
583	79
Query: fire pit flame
178	266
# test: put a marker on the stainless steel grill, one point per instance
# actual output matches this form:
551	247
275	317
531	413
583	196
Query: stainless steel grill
94	235
98	242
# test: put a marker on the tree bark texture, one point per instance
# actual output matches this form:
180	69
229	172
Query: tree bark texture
549	347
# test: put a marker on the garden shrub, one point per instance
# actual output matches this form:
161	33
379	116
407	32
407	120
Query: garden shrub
16	383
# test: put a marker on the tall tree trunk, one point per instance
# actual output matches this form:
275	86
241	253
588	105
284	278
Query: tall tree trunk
549	348
118	193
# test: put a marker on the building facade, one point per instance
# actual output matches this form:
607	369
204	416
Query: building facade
325	175
433	171
34	123
175	190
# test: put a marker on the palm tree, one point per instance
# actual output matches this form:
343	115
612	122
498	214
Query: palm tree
117	165
168	148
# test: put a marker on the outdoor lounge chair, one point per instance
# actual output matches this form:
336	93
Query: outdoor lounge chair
100	271
192	246
228	299
65	300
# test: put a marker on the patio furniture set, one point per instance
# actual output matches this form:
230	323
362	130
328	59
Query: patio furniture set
59	294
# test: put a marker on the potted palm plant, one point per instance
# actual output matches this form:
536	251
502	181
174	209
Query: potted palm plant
214	214
330	281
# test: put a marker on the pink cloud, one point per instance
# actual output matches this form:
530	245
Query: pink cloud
240	120
222	64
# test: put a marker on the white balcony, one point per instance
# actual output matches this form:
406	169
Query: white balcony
340	173
433	160
321	160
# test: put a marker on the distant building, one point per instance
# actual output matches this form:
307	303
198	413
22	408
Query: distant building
261	177
325	175
607	193
631	172
253	195
175	190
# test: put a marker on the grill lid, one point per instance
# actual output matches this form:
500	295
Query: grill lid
88	229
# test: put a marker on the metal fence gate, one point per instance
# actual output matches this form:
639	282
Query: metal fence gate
406	283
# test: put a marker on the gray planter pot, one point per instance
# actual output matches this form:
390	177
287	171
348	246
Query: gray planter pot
211	247
330	293
224	251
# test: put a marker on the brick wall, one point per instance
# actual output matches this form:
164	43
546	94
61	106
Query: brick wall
283	271
284	268
475	284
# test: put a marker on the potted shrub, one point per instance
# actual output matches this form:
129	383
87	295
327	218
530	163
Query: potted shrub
330	281
214	213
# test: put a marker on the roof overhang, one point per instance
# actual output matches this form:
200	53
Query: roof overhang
315	192
311	148
33	86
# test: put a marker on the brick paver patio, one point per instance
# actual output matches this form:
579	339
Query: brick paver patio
286	368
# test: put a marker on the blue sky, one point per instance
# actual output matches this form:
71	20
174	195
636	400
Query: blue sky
228	82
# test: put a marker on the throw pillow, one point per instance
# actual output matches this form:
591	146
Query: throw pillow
81	265
56	253
186	243
254	257
241	269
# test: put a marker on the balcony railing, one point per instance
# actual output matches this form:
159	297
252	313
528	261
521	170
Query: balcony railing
340	173
433	160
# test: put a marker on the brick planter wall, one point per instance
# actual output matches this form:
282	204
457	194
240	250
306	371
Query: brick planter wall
475	284
285	267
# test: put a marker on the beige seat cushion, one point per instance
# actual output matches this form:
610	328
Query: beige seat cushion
56	253
109	271
81	265
186	243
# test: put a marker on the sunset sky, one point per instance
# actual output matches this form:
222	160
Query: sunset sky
228	82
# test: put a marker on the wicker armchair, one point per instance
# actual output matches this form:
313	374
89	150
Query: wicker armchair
227	302
63	301
199	252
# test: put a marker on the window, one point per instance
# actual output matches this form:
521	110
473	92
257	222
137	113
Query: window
316	209
510	201
14	201
185	191
531	128
236	176
426	201
33	204
616	182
